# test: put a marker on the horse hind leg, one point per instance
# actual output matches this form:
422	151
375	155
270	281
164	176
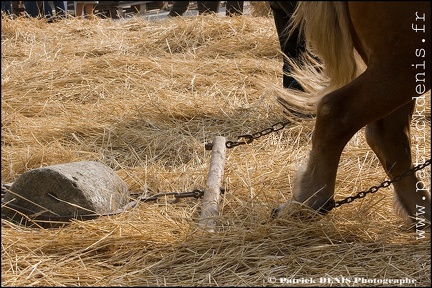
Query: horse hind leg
389	138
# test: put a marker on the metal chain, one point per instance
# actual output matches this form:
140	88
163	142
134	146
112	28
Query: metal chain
177	196
384	184
248	138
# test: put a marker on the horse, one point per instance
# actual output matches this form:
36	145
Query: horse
392	41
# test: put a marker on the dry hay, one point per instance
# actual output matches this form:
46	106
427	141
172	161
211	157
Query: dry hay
143	97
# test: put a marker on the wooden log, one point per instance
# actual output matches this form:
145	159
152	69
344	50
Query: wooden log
211	198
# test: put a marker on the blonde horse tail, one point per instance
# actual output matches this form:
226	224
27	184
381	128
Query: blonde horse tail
326	30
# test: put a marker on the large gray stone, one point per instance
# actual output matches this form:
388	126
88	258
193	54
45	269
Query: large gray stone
61	192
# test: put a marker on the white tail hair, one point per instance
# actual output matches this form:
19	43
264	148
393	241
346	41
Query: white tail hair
325	27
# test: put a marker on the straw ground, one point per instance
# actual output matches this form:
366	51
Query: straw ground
143	97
